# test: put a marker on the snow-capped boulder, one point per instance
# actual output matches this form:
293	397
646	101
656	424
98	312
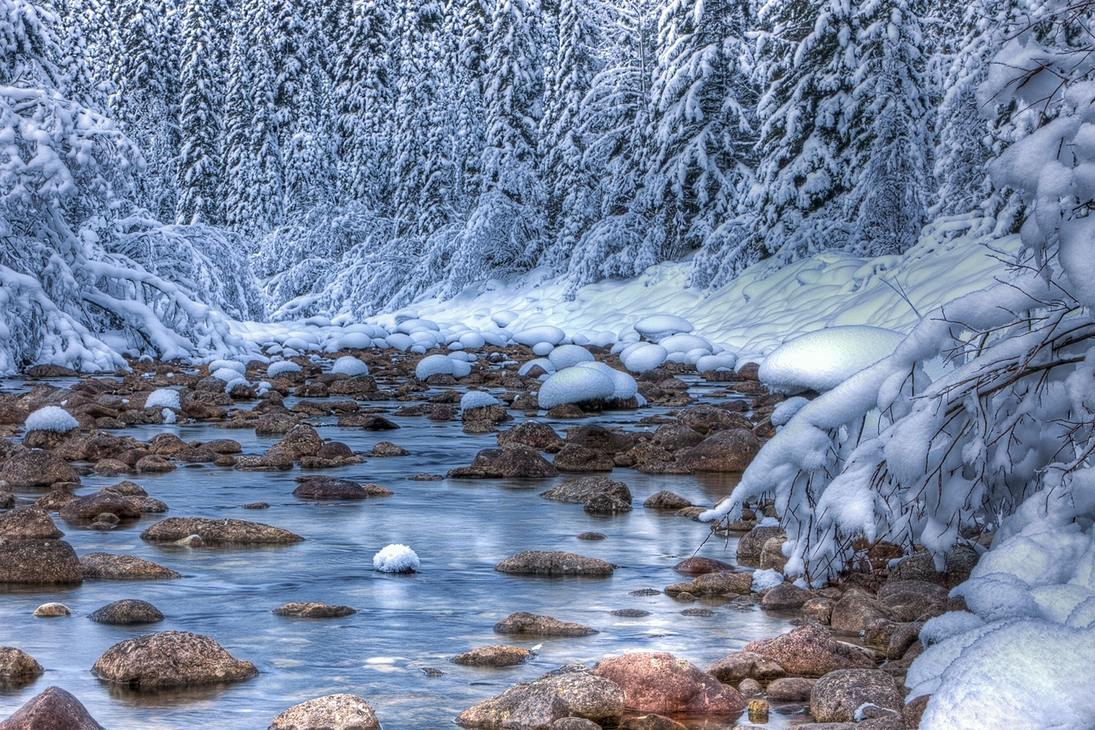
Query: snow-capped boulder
824	359
396	558
644	357
535	335
163	398
540	349
239	367
472	341
623	385
657	326
275	369
685	343
477	399
399	341
566	356
435	365
411	326
354	341
461	369
575	385
712	363
52	418
541	362
228	375
348	366
494	338
504	318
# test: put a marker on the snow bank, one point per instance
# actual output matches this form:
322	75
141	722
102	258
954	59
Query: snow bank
163	398
396	558
575	385
657	326
822	360
52	418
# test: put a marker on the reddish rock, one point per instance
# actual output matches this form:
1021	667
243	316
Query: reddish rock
726	451
810	651
540	562
170	659
659	682
53	709
493	656
700	566
567	692
18	666
741	665
666	500
837	695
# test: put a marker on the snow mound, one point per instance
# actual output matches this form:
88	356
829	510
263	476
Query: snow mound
685	343
236	365
567	356
824	359
52	418
504	318
435	365
544	363
399	341
764	580
396	558
657	326
624	386
477	399
541	349
949	624
349	366
472	341
168	416
411	326
353	341
282	366
643	357
228	375
460	368
575	385
163	398
535	335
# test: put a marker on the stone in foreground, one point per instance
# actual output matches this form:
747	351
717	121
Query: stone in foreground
540	562
53	709
170	659
566	692
218	532
838	695
38	561
126	611
661	683
810	651
523	622
105	566
331	712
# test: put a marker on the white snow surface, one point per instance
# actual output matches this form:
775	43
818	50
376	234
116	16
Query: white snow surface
764	580
657	326
643	357
566	356
163	398
435	365
348	365
477	399
575	385
396	558
275	369
824	359
52	418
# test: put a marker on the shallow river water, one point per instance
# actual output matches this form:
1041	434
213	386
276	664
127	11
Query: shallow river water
459	528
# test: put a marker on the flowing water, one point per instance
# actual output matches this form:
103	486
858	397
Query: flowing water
405	623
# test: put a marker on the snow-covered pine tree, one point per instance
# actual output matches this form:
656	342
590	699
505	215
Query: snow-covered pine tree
704	129
206	31
571	200
890	129
615	125
253	180
362	86
144	76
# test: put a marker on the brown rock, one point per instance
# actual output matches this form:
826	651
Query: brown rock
275	423
676	436
493	656
599	438
28	523
506	463
93	446
564	693
330	712
908	600
707	419
53	709
52	610
566	410
790	689
809	651
818	609
523	622
301	440
170	659
771	554
93	505
651	722
112	468
785	597
7	499
153	464
604	503
339	450
37	469
914	710
16	665
335	488
921	566
166	444
751	543
573	457
540	562
701	566
125	612
313	610
105	566
854	612
574	723
714	584
726	451
55	499
659	682
38	561
532	435
580	490
741	665
218	532
387	448
837	695
902	639
667	501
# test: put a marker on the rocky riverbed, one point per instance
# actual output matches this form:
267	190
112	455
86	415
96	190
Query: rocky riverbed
209	562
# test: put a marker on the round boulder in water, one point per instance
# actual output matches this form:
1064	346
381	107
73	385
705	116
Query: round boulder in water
127	611
575	385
